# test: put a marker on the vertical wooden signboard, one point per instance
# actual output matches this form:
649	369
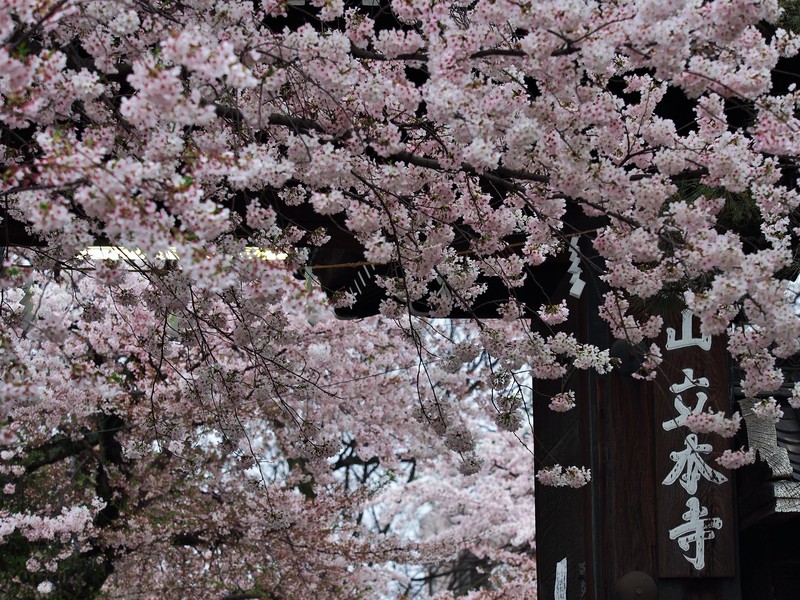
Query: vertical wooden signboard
658	503
696	531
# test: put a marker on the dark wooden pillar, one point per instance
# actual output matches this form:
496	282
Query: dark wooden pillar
564	537
567	539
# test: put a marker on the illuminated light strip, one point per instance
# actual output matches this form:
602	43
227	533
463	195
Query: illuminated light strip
265	253
363	2
136	255
112	253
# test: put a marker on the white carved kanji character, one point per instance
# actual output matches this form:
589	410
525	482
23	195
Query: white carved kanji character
696	529
690	466
686	339
683	410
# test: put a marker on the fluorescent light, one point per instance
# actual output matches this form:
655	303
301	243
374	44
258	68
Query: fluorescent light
112	253
136	255
264	253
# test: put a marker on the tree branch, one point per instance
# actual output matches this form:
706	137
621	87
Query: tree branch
58	449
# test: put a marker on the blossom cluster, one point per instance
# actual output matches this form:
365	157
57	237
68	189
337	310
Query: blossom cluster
794	399
735	459
768	409
558	476
714	422
562	402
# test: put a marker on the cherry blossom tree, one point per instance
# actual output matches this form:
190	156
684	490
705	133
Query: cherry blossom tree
189	420
250	446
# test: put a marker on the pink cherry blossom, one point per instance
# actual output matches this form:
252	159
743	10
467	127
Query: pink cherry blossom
207	420
735	459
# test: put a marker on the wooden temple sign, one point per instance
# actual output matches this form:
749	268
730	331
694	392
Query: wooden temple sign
696	530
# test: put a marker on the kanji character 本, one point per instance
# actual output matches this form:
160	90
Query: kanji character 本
696	529
690	466
683	410
686	339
